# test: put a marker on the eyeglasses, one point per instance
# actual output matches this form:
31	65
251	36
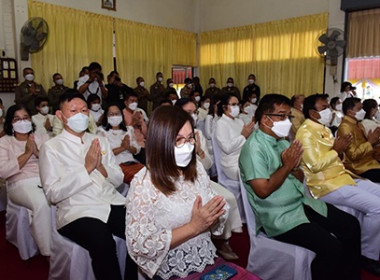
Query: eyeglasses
180	142
16	119
282	116
113	114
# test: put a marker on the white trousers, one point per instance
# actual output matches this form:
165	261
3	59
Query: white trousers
233	222
364	197
26	193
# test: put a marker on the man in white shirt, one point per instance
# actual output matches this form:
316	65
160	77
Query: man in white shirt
79	175
93	83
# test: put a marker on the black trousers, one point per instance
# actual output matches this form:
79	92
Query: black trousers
372	174
96	236
335	240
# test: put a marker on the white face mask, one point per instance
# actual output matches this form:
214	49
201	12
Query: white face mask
44	110
115	120
183	155
251	81
22	126
142	84
360	115
212	85
235	110
78	122
195	118
29	77
174	101
160	79
59	82
171	85
253	100
133	106
190	85
230	84
281	128
339	107
325	117
249	110
197	98
95	107
206	105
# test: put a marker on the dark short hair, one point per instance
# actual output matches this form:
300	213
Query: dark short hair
55	75
267	103
92	98
163	101
158	73
129	94
349	104
164	125
369	104
183	101
333	102
39	99
188	80
345	84
8	127
94	65
105	123
214	100
69	95
310	101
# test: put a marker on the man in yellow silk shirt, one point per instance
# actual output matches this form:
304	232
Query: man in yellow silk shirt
358	158
329	180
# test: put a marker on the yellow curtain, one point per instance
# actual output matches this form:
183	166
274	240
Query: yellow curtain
280	53
143	50
75	39
363	33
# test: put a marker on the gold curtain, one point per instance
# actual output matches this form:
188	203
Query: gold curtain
143	50
280	53
75	39
364	33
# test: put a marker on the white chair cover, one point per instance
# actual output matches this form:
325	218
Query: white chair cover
69	261
17	230
272	259
231	185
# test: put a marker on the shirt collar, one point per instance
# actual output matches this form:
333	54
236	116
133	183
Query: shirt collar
72	137
269	138
350	120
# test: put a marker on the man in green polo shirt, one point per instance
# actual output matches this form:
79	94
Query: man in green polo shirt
269	170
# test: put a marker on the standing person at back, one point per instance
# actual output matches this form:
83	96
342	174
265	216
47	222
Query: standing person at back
56	91
28	90
142	94
251	87
157	91
230	89
213	89
93	82
187	89
117	90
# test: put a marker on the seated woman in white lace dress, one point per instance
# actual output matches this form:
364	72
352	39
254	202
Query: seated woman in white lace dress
171	209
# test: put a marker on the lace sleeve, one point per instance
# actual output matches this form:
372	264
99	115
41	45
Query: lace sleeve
148	243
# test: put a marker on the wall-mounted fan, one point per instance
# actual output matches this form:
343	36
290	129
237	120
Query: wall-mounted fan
330	45
34	34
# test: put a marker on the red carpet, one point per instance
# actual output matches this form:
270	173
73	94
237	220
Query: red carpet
13	268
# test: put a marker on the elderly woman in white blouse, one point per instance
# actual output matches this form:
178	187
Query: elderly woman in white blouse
171	208
372	115
19	151
231	134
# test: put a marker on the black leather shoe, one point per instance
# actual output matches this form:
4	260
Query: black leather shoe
371	266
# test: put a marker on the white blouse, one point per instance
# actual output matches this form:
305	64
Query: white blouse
370	125
115	137
97	114
337	118
150	218
210	124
